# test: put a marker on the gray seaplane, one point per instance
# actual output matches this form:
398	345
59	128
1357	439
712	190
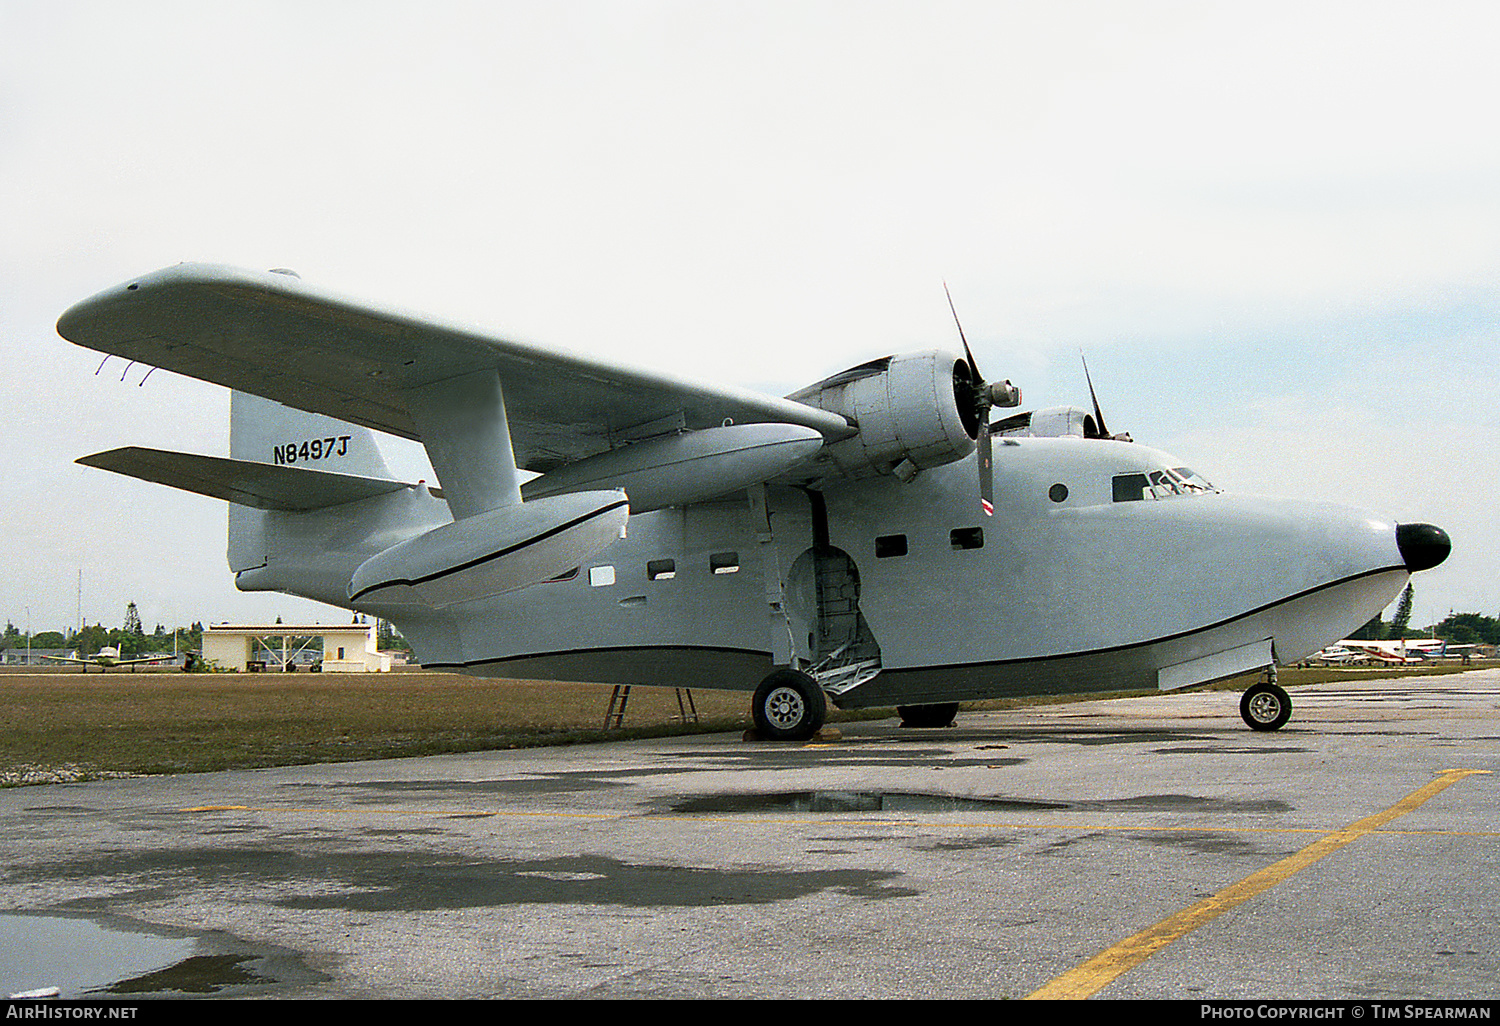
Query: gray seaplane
873	539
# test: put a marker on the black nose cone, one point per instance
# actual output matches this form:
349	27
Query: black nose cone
1422	546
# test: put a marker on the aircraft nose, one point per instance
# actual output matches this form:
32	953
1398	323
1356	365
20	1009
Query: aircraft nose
1423	546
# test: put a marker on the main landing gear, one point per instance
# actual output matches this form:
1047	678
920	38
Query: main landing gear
1265	705
788	706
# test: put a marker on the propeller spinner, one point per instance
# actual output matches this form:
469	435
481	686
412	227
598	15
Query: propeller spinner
985	397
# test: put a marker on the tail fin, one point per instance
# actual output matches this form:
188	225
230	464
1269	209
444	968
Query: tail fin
263	431
267	432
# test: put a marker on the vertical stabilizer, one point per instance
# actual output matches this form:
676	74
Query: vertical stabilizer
268	432
263	431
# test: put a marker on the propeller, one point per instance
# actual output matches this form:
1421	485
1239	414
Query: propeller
985	396
1103	432
1098	413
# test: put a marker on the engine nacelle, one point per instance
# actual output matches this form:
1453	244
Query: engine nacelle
1061	421
914	411
677	470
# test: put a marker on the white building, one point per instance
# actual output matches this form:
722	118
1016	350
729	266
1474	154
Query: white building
347	649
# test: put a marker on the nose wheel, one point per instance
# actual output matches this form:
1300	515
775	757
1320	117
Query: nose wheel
1266	705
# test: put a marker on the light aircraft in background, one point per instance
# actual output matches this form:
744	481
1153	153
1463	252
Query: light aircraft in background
1336	655
1410	650
869	540
1391	652
107	657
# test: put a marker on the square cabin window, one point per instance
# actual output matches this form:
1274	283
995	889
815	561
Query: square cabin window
967	538
724	562
890	545
661	570
601	576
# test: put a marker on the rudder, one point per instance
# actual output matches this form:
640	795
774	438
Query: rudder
264	431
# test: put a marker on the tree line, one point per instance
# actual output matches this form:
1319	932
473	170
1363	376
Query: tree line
1456	628
131	639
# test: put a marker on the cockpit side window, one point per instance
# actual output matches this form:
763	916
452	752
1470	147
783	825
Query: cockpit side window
1158	484
1130	487
1162	484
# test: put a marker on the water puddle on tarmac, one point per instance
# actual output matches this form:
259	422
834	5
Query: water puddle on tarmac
850	801
81	958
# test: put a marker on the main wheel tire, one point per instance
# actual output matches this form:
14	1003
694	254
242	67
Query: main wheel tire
940	715
788	706
1265	707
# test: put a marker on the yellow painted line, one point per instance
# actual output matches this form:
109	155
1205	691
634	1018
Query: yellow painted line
1092	976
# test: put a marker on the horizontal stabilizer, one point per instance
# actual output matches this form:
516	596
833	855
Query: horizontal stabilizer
261	485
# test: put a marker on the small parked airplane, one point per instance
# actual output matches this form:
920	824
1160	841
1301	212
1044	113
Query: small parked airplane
831	545
1411	650
105	658
1337	655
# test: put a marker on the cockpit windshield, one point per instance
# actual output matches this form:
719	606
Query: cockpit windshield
1159	484
1192	482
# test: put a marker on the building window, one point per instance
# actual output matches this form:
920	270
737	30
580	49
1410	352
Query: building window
601	576
724	562
890	545
661	570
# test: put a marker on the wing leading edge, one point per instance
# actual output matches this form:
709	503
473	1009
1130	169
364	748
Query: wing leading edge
270	334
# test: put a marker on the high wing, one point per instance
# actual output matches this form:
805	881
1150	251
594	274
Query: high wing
272	335
98	660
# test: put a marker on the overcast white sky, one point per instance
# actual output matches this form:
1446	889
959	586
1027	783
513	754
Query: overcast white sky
1274	228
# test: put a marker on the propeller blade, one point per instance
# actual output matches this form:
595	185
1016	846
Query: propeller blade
982	402
986	469
1098	413
968	353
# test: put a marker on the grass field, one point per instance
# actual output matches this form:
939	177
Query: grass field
62	726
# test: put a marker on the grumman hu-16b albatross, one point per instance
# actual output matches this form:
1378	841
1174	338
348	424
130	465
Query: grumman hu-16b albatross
871	539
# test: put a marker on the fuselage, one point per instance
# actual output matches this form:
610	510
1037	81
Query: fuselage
1104	564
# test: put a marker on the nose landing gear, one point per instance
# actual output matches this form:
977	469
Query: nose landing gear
1265	705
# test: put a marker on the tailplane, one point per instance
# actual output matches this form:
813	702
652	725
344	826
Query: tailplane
282	461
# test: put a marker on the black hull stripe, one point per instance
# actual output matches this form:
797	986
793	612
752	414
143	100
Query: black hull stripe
940	666
727	650
460	568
